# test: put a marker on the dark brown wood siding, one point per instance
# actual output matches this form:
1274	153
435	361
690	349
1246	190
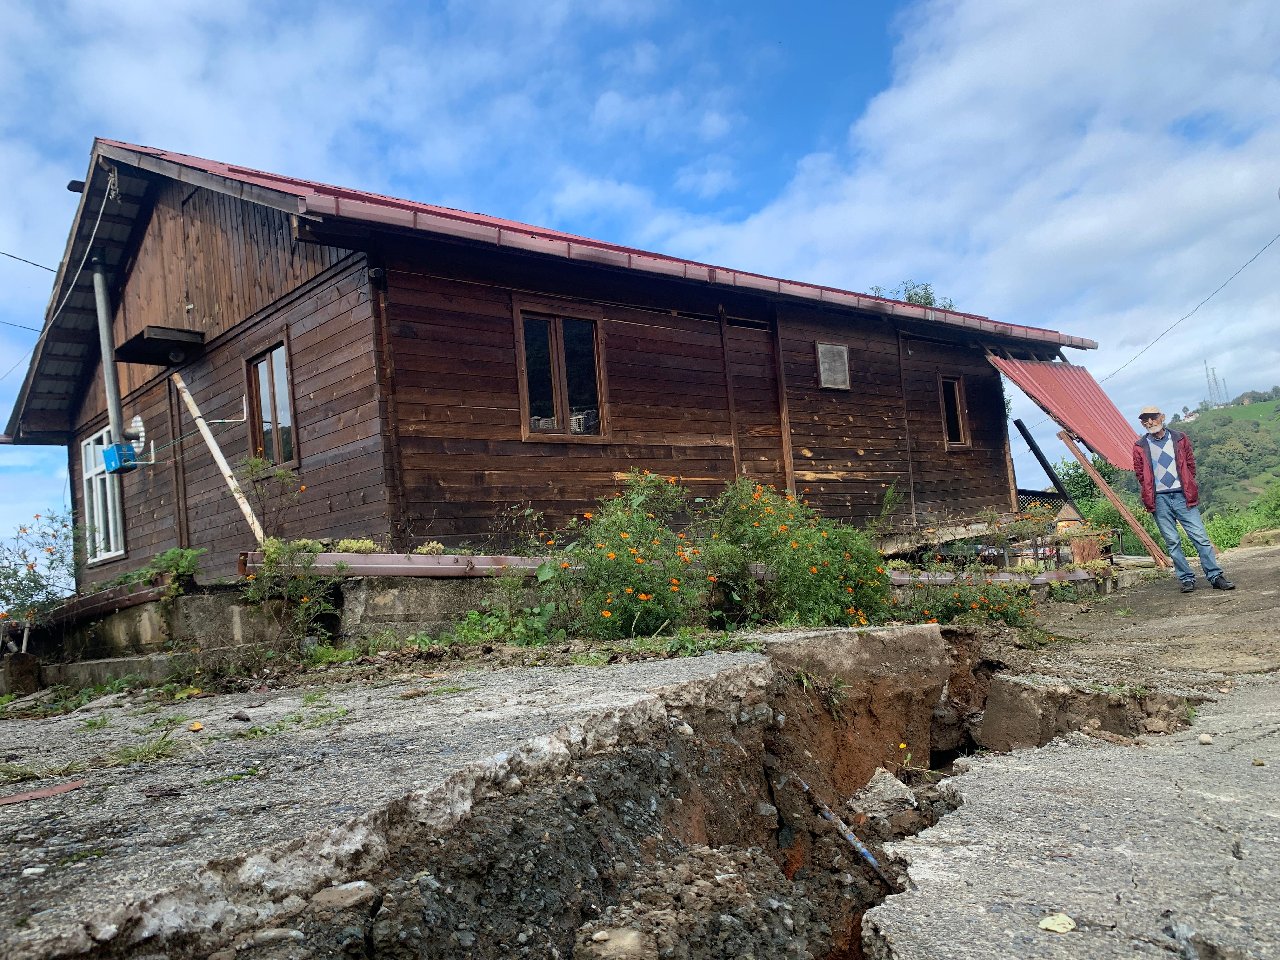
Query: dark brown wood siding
955	481
850	445
315	299
464	459
205	262
757	418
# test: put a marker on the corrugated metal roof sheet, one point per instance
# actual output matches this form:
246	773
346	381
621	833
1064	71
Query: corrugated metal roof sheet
1070	395
324	200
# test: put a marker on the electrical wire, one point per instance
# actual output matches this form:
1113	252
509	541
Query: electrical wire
1188	316
1193	312
23	260
20	326
112	192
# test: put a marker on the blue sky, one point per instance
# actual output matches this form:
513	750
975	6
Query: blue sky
1093	167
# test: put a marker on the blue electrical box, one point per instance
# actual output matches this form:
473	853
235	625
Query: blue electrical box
119	458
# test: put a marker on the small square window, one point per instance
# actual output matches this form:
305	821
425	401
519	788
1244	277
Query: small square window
954	415
833	366
270	407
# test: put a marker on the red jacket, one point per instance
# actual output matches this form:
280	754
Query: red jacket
1184	459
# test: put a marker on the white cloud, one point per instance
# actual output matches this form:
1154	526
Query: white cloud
1092	167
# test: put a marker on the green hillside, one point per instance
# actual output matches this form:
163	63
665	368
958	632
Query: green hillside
1237	452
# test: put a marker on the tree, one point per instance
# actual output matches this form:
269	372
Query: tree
37	571
920	294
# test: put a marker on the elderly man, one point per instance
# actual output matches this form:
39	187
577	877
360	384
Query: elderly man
1166	471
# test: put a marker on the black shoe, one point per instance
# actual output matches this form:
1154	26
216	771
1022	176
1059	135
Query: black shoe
1188	586
1220	582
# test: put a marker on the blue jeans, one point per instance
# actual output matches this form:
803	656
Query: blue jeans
1172	509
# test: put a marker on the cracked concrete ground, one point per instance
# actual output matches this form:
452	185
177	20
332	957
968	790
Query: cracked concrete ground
1168	847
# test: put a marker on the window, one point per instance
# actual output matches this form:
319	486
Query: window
833	366
103	516
560	376
954	415
270	409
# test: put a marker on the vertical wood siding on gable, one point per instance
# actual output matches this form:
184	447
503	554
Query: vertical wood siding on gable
249	284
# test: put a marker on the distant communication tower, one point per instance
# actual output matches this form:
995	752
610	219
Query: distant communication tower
1217	389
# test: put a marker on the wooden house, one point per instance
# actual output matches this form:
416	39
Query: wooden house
423	368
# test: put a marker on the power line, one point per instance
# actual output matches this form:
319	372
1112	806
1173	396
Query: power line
20	326
25	260
1181	319
1192	313
111	193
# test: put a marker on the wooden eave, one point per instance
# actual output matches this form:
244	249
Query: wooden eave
67	350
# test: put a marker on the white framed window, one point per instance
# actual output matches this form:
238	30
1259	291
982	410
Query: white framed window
103	515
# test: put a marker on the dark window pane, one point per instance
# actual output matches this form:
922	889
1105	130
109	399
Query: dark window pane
580	374
538	375
284	416
951	411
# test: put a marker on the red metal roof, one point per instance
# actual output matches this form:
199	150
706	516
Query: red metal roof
318	199
1070	395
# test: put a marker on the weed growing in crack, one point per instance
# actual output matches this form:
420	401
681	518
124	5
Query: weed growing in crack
163	747
91	724
21	772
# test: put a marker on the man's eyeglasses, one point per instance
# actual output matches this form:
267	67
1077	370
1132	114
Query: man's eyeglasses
1149	417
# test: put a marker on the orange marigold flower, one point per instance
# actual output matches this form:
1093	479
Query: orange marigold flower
599	546
795	544
606	614
712	578
639	559
879	569
4	614
756	524
302	489
675	580
850	611
813	569
629	590
565	565
588	515
679	536
551	543
671	479
675	589
645	596
610	556
625	536
306	600
848	589
973	606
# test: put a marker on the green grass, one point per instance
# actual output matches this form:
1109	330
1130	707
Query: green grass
248	774
21	772
95	723
162	747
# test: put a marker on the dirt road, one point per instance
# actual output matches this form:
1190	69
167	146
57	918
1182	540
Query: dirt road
1167	847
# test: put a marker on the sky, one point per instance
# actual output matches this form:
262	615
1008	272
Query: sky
1094	167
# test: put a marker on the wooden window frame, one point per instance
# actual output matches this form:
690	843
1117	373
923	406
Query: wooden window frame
962	411
556	313
255	414
113	502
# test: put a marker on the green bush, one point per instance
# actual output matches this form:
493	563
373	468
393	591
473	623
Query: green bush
355	546
625	572
815	571
286	585
974	597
